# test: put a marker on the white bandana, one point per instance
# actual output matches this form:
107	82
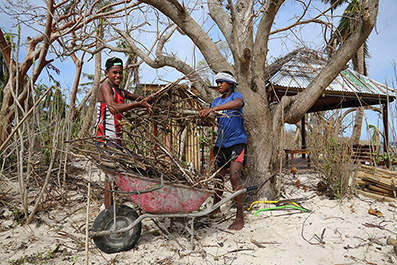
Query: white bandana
225	77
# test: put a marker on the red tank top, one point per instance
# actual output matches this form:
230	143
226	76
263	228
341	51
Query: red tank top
107	123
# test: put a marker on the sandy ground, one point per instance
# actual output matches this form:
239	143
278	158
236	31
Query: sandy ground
334	232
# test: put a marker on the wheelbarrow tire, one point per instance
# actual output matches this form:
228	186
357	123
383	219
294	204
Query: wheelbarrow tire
117	242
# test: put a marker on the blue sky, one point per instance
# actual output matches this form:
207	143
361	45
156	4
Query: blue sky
381	43
381	46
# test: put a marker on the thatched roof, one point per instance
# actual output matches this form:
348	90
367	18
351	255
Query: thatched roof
305	55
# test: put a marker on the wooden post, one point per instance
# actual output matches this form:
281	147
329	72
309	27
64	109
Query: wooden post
385	115
212	150
155	133
303	134
108	194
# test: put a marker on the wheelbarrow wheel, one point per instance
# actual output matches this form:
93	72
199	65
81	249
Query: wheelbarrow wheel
117	242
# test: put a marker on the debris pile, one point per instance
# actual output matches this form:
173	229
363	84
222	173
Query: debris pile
170	143
377	183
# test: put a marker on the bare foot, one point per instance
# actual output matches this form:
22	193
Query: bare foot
238	224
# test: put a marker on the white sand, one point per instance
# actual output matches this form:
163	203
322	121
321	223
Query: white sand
347	239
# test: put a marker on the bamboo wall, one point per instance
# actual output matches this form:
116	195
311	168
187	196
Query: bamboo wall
182	138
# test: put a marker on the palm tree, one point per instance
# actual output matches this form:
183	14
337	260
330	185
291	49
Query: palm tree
346	26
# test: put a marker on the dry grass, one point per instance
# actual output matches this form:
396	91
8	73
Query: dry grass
332	158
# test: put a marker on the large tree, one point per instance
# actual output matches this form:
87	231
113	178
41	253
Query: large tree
246	26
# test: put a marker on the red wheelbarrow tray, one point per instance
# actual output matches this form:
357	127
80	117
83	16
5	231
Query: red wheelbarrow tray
169	198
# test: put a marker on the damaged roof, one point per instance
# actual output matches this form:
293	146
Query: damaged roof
295	71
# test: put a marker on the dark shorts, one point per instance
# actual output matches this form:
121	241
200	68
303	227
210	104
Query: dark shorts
234	153
109	145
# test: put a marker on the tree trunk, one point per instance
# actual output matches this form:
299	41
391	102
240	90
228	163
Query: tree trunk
262	154
358	123
72	107
263	133
89	117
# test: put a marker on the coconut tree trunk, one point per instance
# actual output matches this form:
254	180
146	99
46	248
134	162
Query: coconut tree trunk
358	123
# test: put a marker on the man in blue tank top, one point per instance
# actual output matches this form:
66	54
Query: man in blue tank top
230	149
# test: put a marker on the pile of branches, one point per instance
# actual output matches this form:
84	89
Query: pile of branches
153	141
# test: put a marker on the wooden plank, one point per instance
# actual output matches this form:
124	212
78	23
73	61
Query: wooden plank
296	151
381	190
377	197
363	154
388	172
379	174
386	183
361	182
378	193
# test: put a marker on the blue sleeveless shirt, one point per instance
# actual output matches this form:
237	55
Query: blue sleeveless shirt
231	128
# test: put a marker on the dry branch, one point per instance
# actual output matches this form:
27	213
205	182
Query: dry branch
163	142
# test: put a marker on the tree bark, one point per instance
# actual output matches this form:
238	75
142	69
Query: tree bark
89	116
79	67
358	123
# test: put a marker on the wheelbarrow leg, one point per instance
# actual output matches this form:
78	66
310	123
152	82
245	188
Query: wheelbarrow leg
108	194
192	234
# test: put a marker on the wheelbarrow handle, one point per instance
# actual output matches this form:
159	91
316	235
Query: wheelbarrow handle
169	215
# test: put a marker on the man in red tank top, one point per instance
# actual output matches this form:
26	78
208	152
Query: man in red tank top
111	104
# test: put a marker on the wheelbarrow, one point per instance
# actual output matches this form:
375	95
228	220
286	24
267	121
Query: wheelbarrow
120	232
